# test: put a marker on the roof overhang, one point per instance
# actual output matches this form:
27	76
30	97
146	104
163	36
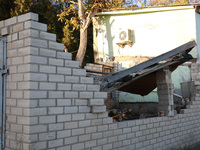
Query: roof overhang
143	10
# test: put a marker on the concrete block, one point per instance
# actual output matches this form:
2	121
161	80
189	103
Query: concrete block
64	55
98	109
84	123
18	27
16	128
55	143
47	69
72	63
35	111
11	85
56	46
10	21
78	131
17	77
102	141
27	85
35	77
90	143
35	129
37	94
107	146
10	102
27	50
56	127
90	130
71	125
56	94
84	109
64	118
100	94
13	69
71	140
47	102
9	39
86	95
35	59
87	80
47	119
27	68
71	95
47	136
102	128
78	117
117	144
83	138
26	104
112	139
126	142
107	120
27	120
71	79
56	78
47	52
79	87
97	122
96	102
4	31
35	25
16	111
28	33
55	110
79	72
71	110
17	60
16	94
78	146
64	148
64	70
48	36
28	16
14	36
64	87
17	44
12	53
2	24
81	102
63	134
56	62
118	132
35	42
91	116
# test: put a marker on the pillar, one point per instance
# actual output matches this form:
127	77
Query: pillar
165	92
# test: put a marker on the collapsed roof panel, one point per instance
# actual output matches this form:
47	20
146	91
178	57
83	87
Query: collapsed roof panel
141	79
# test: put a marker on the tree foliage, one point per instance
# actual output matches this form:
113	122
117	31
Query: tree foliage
45	8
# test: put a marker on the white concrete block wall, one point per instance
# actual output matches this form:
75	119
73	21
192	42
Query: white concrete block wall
51	104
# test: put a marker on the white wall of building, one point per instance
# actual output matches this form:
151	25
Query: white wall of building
154	32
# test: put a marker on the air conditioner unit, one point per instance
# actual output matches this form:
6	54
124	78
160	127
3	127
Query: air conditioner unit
125	35
125	38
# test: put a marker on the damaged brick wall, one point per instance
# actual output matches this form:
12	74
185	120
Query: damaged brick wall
51	104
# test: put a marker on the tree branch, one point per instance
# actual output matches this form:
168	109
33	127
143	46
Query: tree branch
81	12
89	17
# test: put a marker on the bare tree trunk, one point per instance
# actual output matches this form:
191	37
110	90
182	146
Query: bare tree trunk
82	46
85	21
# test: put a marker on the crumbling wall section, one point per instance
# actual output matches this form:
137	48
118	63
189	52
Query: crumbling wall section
51	104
